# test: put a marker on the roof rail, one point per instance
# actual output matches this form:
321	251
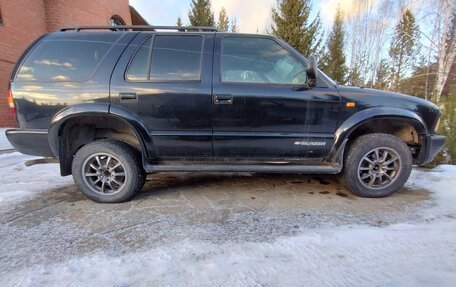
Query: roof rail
141	28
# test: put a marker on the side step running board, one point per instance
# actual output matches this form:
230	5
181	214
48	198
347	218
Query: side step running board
266	168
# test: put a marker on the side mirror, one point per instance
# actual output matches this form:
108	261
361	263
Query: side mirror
312	71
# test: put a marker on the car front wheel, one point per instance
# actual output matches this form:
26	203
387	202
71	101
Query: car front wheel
376	165
108	171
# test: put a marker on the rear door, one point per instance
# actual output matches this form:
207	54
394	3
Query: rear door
166	80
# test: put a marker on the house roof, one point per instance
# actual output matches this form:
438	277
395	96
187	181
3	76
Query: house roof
136	18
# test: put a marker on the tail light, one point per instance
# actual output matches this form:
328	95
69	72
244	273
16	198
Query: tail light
11	104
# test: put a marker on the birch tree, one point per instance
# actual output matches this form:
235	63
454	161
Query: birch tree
367	28
446	46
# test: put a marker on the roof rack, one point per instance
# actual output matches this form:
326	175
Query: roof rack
141	28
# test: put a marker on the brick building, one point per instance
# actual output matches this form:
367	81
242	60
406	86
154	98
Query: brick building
22	21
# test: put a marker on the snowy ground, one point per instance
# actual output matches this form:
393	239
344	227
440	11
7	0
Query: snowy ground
212	230
4	143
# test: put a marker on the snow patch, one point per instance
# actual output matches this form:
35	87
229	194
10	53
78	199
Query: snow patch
4	143
19	183
441	182
399	255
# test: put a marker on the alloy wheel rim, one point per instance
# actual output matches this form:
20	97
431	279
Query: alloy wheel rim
104	173
379	168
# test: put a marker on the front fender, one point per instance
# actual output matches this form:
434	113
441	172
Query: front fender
361	117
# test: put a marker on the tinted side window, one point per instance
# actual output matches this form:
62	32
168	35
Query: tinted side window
139	67
259	60
176	58
63	60
173	58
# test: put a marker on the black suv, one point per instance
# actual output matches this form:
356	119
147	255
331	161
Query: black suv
115	104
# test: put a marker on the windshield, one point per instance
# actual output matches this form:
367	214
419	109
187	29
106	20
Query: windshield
327	78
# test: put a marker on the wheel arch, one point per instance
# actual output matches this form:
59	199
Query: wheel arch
351	126
121	121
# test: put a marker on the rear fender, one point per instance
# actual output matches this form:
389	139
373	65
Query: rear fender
58	122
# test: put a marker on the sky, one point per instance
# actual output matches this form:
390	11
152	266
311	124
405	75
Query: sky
251	15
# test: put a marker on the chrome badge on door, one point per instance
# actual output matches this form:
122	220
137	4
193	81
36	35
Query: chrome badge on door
309	143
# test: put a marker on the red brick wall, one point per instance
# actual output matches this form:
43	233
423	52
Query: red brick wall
84	12
23	22
26	20
6	119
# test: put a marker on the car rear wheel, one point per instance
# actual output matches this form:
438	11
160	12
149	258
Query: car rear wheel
376	165
108	171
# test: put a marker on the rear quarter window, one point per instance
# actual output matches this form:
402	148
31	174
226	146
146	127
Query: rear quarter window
65	58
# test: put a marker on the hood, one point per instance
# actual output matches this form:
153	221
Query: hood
367	98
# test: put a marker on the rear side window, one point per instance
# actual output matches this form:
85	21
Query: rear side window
168	58
64	59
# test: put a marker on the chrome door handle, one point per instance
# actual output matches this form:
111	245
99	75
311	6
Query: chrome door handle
223	99
128	97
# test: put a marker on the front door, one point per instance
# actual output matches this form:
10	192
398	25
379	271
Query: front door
262	110
165	80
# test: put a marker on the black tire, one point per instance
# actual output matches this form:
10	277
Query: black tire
358	173
105	155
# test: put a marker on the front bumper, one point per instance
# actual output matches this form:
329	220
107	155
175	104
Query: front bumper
28	141
430	147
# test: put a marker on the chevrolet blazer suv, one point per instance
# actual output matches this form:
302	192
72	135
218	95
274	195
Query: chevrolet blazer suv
115	104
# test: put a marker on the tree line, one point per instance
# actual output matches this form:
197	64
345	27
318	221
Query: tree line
201	14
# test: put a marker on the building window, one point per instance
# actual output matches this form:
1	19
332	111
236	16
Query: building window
116	21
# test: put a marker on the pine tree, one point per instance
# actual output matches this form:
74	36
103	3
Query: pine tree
201	14
179	22
354	77
234	26
403	46
223	21
292	23
334	59
382	75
